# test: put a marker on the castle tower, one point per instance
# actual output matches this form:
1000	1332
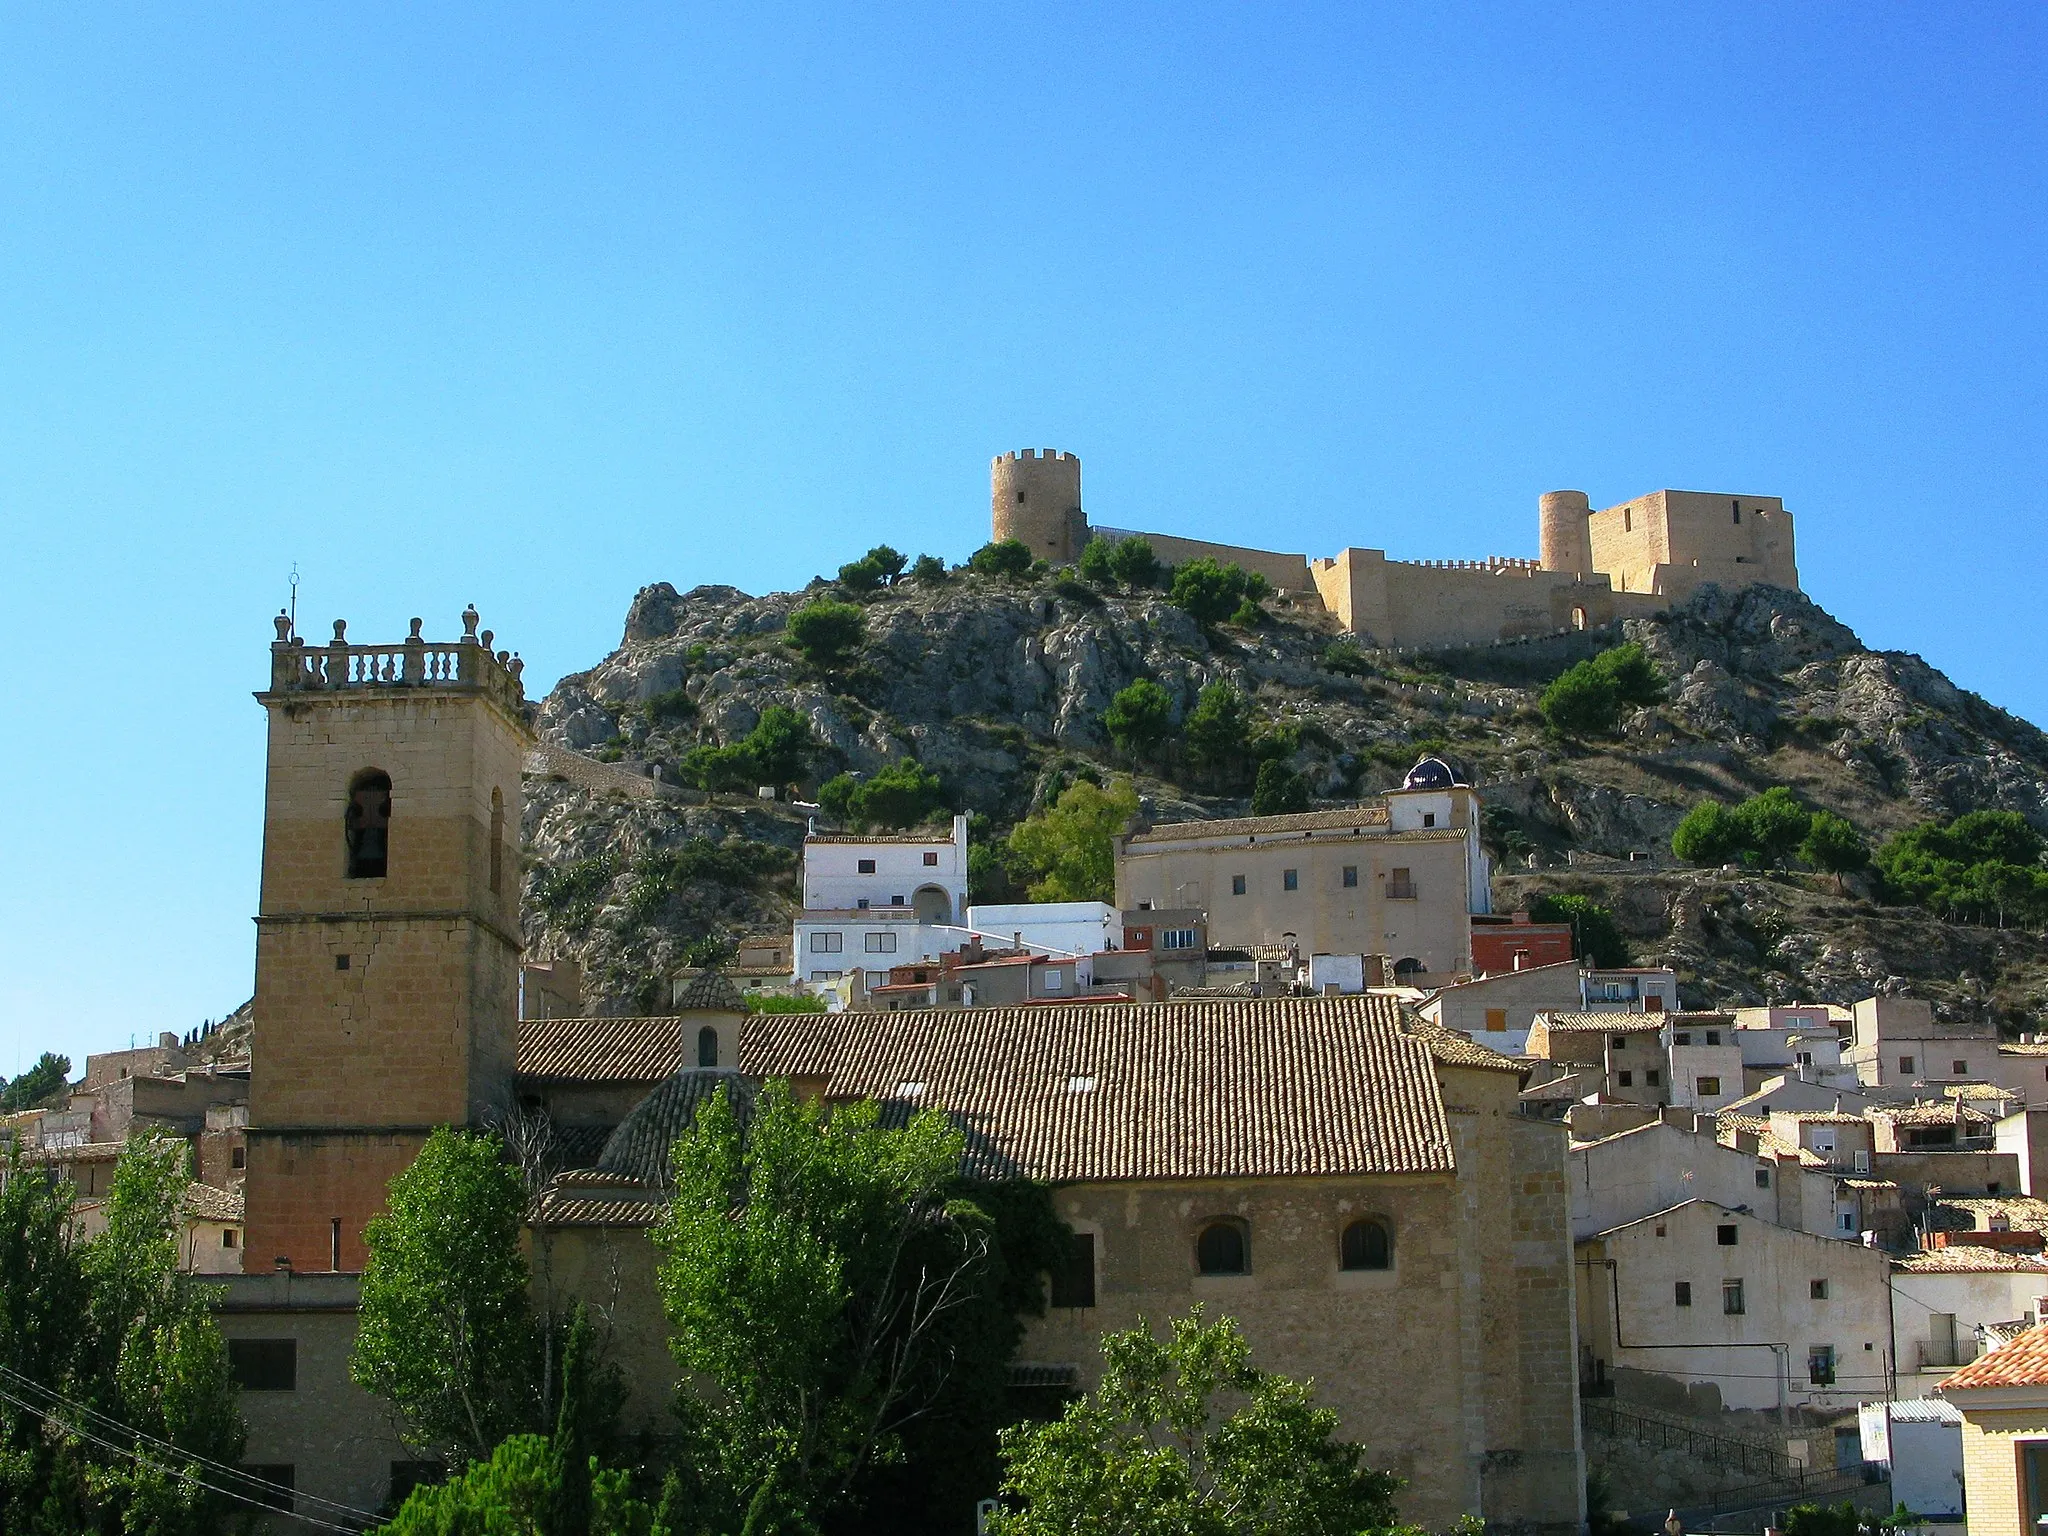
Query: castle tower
387	937
1035	498
1565	538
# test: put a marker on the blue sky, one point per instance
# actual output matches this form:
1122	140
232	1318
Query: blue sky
531	305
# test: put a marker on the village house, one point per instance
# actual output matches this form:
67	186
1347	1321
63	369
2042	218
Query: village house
1942	1299
2003	1398
1629	989
1898	1043
872	902
1661	1164
1498	1010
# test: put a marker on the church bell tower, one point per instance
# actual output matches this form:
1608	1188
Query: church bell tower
387	936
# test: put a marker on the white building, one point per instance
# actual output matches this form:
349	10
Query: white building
1943	1296
1629	989
1921	1442
873	902
1663	1164
1062	928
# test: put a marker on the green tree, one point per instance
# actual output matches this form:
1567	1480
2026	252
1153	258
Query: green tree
1709	834
1067	850
1149	1452
1583	701
50	1073
1595	935
1635	677
1132	563
901	795
1982	867
861	576
1832	845
1774	823
928	570
827	634
808	1269
1095	565
781	744
1138	718
1278	790
1009	559
835	796
43	1302
1212	593
445	1332
1218	731
769	1002
518	1492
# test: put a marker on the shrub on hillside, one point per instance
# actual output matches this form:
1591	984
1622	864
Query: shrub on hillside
901	795
1595	936
1982	867
1710	834
1774	823
928	571
1009	559
1832	845
1586	699
1139	717
826	633
1212	593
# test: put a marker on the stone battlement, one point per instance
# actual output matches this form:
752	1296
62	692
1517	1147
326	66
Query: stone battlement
467	665
1032	453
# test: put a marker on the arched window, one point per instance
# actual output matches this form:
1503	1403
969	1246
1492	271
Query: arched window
497	838
1366	1245
1405	967
707	1047
1578	618
1220	1249
367	824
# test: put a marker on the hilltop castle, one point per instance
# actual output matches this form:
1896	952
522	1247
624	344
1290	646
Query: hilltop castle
1626	561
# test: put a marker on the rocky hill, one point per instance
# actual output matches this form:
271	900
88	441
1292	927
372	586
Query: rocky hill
1000	687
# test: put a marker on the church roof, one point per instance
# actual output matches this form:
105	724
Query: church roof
1429	773
639	1148
709	991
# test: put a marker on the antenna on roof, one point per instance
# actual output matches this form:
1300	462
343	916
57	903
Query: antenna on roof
294	609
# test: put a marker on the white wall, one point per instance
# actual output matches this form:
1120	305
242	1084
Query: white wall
1693	1064
1630	990
1656	1166
894	941
833	879
1050	927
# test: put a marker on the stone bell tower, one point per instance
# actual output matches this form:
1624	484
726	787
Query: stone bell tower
387	940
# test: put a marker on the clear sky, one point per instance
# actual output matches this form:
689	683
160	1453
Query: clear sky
531	305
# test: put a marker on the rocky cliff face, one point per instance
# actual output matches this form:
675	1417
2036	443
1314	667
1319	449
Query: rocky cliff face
1000	687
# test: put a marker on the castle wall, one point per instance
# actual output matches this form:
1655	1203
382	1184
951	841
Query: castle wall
1287	572
1035	498
1400	603
1672	542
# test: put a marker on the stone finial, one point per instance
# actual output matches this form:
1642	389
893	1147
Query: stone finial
515	666
341	631
415	631
487	637
283	621
469	618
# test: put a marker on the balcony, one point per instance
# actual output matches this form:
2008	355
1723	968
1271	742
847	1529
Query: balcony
1947	1354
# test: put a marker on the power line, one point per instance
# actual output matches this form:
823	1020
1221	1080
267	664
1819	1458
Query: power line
86	1412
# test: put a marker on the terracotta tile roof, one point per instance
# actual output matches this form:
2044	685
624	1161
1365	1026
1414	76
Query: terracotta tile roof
1359	818
553	1210
1163	1090
1455	1049
1820	1116
639	1150
1561	1023
83	1152
943	834
1954	1112
210	1204
2022	1363
1971	1259
600	1050
709	991
791	1044
2023	1050
2025	1213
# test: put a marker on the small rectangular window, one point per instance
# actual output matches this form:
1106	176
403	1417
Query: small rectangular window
1429	818
865	866
264	1365
1726	1235
1350	876
1817	1290
1289	880
1618	1042
1682	1294
1708	1087
239	1158
1820	1365
1625	1079
931	861
1763	1178
1735	508
1713	1037
1073	1283
1177	938
1496	1020
1401	885
881	943
1052	981
341	962
1905	1063
227	1237
1960	1068
1731	1297
1654	1076
1237	885
1681	1038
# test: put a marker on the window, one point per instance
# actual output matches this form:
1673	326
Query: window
1177	938
1237	885
239	1158
1220	1249
1806	1058
1496	1020
1401	885
931	860
264	1365
881	943
865	866
1817	1290
1824	1141
1350	876
895	901
1073	1283
1726	1235
1429	818
1618	1042
1052	980
1681	1294
1763	1178
1731	1298
863	903
1848	1221
1366	1244
366	825
1820	1365
227	1237
497	838
340	964
1735	510
1290	880
707	1047
1625	1078
1905	1063
1959	1068
1707	1087
1713	1037
274	1483
1683	1037
1654	1076
827	943
1628	520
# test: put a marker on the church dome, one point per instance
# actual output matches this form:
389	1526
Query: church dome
1429	773
709	992
639	1148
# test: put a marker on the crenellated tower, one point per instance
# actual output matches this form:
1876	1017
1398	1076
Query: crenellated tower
1035	498
387	936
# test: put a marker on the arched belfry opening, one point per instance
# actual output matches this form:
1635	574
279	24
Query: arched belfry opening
366	826
932	905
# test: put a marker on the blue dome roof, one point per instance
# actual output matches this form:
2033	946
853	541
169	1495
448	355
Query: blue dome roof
1429	773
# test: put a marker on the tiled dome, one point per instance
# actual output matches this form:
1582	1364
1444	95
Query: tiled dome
639	1148
710	992
1429	773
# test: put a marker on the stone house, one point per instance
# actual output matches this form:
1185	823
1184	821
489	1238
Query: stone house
1898	1043
1357	1191
1655	1167
1943	1297
1769	1316
1499	1010
1630	989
